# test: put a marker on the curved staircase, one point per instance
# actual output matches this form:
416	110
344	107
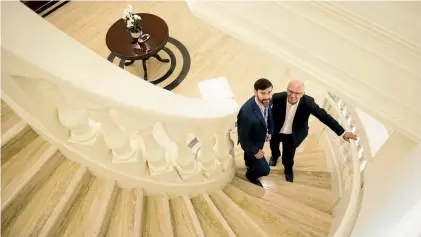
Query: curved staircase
45	194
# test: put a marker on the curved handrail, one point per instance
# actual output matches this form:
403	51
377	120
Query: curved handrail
349	217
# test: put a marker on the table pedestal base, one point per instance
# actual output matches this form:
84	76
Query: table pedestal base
128	63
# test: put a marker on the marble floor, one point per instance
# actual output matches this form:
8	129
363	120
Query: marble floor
213	52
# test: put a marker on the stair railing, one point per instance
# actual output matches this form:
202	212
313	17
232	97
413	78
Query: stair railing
108	119
349	161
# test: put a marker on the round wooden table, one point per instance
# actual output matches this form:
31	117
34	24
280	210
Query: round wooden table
121	44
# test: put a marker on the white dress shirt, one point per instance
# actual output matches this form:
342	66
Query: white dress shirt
291	109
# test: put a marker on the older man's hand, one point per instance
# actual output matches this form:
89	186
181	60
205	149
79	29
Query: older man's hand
349	135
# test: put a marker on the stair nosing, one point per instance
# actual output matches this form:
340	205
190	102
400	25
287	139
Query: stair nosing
167	217
20	182
63	206
218	215
262	203
105	206
138	219
193	216
13	132
243	214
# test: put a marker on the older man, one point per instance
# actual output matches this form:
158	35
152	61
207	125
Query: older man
291	111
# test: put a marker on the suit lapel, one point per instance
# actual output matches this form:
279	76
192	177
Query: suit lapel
299	108
258	113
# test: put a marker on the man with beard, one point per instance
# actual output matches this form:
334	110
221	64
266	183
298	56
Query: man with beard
291	111
255	126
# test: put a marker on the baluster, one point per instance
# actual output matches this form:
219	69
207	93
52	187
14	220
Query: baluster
186	164
123	150
207	156
223	147
159	162
75	118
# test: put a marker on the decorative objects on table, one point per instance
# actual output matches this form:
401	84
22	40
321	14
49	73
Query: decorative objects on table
134	24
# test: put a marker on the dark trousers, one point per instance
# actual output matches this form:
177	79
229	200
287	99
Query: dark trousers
288	149
256	168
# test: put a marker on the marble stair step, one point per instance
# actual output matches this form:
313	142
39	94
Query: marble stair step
309	219
17	143
305	163
79	181
126	218
273	224
210	219
91	212
23	160
320	199
158	217
9	133
36	212
315	179
236	217
23	175
8	117
184	219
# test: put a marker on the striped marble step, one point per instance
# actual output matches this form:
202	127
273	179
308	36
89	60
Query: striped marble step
41	204
236	217
184	219
310	178
91	213
127	216
273	223
210	218
78	183
23	174
11	124
320	199
157	217
304	219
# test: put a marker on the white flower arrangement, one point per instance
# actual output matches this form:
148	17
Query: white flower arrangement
133	22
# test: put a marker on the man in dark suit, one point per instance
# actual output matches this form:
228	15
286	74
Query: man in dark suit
291	110
255	126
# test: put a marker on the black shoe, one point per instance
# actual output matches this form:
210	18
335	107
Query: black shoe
254	181
289	177
273	161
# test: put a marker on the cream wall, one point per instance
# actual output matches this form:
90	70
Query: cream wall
356	50
392	187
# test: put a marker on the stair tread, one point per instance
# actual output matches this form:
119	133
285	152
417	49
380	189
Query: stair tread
308	162
237	219
318	198
37	211
181	219
8	118
79	180
156	223
273	223
17	143
84	214
208	219
20	163
312	220
123	217
317	179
